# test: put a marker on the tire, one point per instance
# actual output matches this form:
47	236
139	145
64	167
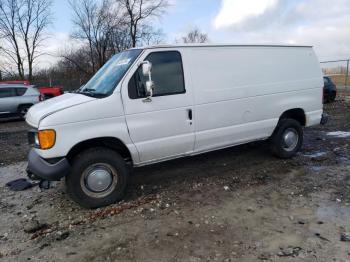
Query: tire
22	110
287	138
99	177
332	96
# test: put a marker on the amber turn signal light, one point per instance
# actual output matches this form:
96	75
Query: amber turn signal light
47	138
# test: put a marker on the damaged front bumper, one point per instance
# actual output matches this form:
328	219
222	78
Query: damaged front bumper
41	169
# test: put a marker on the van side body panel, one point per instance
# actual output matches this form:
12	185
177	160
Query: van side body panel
240	92
160	129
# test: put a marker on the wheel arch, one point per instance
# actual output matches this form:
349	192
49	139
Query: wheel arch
297	114
107	142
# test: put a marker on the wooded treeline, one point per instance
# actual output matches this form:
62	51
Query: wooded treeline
101	28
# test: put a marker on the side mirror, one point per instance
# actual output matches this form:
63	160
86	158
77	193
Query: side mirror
149	88
146	68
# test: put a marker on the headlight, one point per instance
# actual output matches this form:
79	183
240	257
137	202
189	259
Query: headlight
46	138
36	140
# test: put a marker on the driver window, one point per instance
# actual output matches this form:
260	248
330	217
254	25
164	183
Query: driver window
167	75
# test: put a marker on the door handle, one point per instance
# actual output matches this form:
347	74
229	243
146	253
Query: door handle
189	111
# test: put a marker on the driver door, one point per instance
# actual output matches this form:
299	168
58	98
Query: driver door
161	127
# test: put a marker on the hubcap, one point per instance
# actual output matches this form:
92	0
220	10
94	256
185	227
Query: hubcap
290	139
99	180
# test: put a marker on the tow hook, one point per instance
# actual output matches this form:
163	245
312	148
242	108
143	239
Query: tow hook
43	184
31	176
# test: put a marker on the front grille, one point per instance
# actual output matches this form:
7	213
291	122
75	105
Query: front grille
31	137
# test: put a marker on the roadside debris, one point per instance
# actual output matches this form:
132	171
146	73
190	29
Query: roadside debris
62	235
34	225
345	237
289	252
20	184
111	211
321	237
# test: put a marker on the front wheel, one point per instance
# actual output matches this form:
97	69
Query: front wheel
99	178
287	138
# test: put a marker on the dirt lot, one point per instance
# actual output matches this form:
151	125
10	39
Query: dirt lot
238	204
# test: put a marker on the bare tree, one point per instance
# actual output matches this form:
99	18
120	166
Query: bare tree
195	36
87	24
138	12
33	18
9	33
102	26
150	36
22	26
111	26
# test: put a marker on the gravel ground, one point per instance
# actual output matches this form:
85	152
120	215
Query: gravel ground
237	204
13	140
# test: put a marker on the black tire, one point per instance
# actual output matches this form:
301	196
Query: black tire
326	99
22	110
93	159
278	143
332	96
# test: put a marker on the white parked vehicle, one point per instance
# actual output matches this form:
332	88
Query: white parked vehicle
152	104
16	99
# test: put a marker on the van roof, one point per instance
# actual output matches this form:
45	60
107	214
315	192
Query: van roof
220	45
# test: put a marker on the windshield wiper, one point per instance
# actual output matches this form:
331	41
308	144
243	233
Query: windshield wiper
91	93
90	90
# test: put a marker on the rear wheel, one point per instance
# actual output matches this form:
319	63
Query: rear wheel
99	178
332	96
287	138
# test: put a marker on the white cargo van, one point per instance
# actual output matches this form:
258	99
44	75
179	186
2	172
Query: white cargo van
158	103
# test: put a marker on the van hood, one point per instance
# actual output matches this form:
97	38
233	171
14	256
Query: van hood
48	107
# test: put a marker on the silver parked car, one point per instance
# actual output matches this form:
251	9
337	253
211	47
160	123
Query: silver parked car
17	99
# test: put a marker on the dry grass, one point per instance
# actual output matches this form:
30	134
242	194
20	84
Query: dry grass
340	80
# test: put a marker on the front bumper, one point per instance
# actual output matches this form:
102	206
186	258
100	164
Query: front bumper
42	169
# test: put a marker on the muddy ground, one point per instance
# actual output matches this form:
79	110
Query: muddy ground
238	204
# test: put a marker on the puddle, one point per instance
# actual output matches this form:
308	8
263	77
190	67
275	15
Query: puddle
344	160
334	212
339	134
317	168
316	154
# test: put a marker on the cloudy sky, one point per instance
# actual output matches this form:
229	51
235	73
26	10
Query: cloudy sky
324	24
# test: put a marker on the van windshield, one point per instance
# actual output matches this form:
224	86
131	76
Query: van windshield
107	78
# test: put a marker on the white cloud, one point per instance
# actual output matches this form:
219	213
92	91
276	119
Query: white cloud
55	44
236	11
320	23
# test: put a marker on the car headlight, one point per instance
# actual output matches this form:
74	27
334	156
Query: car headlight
45	139
36	140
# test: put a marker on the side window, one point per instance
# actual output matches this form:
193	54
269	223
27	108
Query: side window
167	75
21	91
7	92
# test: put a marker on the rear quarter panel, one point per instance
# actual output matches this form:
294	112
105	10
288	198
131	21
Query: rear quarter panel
240	92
